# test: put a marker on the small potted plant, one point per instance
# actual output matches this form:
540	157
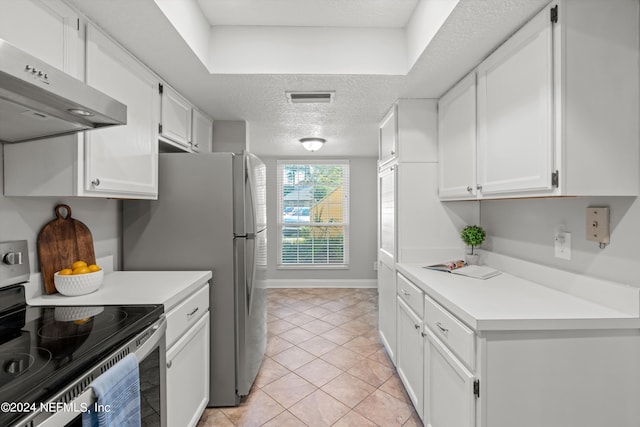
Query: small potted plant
472	235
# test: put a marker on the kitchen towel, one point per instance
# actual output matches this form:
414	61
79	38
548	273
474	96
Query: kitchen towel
118	397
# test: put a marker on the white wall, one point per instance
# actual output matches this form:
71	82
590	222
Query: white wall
307	50
524	229
363	232
21	218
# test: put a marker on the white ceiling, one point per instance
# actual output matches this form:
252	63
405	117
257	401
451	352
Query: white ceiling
474	28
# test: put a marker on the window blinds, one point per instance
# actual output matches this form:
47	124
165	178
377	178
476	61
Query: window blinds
313	206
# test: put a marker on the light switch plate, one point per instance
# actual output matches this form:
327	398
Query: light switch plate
598	224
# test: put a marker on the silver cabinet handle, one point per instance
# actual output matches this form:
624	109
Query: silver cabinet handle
169	364
469	189
479	187
393	152
194	311
96	182
406	294
444	330
424	334
416	326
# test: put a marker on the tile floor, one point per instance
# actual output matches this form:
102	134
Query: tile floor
324	366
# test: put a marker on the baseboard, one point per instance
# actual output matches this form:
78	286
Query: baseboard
320	283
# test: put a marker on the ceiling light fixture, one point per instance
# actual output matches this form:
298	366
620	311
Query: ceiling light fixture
312	144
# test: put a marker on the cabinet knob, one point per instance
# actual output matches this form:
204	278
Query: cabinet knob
469	189
196	145
416	326
393	152
95	182
169	363
479	187
424	334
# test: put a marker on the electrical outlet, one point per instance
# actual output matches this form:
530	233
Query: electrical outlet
598	224
562	244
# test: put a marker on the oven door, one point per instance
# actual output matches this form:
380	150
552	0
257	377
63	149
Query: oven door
150	349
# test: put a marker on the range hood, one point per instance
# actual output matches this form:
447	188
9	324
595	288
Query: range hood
38	101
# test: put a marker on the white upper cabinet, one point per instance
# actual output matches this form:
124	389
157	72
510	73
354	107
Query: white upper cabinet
557	109
119	161
515	112
175	124
48	30
201	131
457	140
122	161
408	132
388	137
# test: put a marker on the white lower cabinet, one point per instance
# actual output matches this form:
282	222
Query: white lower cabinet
188	376
188	359
449	399
410	354
510	376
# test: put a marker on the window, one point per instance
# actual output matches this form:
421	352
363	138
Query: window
313	200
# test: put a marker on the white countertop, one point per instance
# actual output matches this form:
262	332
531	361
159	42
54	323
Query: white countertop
506	302
135	287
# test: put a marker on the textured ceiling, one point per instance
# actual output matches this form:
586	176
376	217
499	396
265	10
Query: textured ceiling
318	13
473	30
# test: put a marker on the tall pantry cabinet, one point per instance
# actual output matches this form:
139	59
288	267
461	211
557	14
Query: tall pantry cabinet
411	219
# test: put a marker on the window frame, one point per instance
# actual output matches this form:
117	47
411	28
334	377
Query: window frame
346	217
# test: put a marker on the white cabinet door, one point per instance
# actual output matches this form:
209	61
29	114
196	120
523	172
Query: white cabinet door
387	214
388	136
449	399
457	140
48	30
387	307
410	354
188	376
515	112
122	161
201	132
175	117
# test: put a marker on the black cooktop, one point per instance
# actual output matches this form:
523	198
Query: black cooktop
43	349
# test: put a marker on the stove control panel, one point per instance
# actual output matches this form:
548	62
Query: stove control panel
14	262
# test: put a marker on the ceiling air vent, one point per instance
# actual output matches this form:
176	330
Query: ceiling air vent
317	97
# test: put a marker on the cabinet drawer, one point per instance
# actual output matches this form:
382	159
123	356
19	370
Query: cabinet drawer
410	294
186	314
459	338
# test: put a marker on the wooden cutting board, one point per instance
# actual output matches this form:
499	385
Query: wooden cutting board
61	242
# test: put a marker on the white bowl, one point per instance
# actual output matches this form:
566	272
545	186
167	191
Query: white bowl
78	284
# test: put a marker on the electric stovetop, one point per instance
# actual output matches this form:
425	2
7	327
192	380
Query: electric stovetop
43	349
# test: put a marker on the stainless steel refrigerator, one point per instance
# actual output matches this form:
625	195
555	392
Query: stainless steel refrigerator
211	215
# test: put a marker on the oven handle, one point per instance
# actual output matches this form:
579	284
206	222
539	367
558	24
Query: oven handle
88	398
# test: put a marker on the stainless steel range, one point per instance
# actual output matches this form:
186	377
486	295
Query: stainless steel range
50	355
